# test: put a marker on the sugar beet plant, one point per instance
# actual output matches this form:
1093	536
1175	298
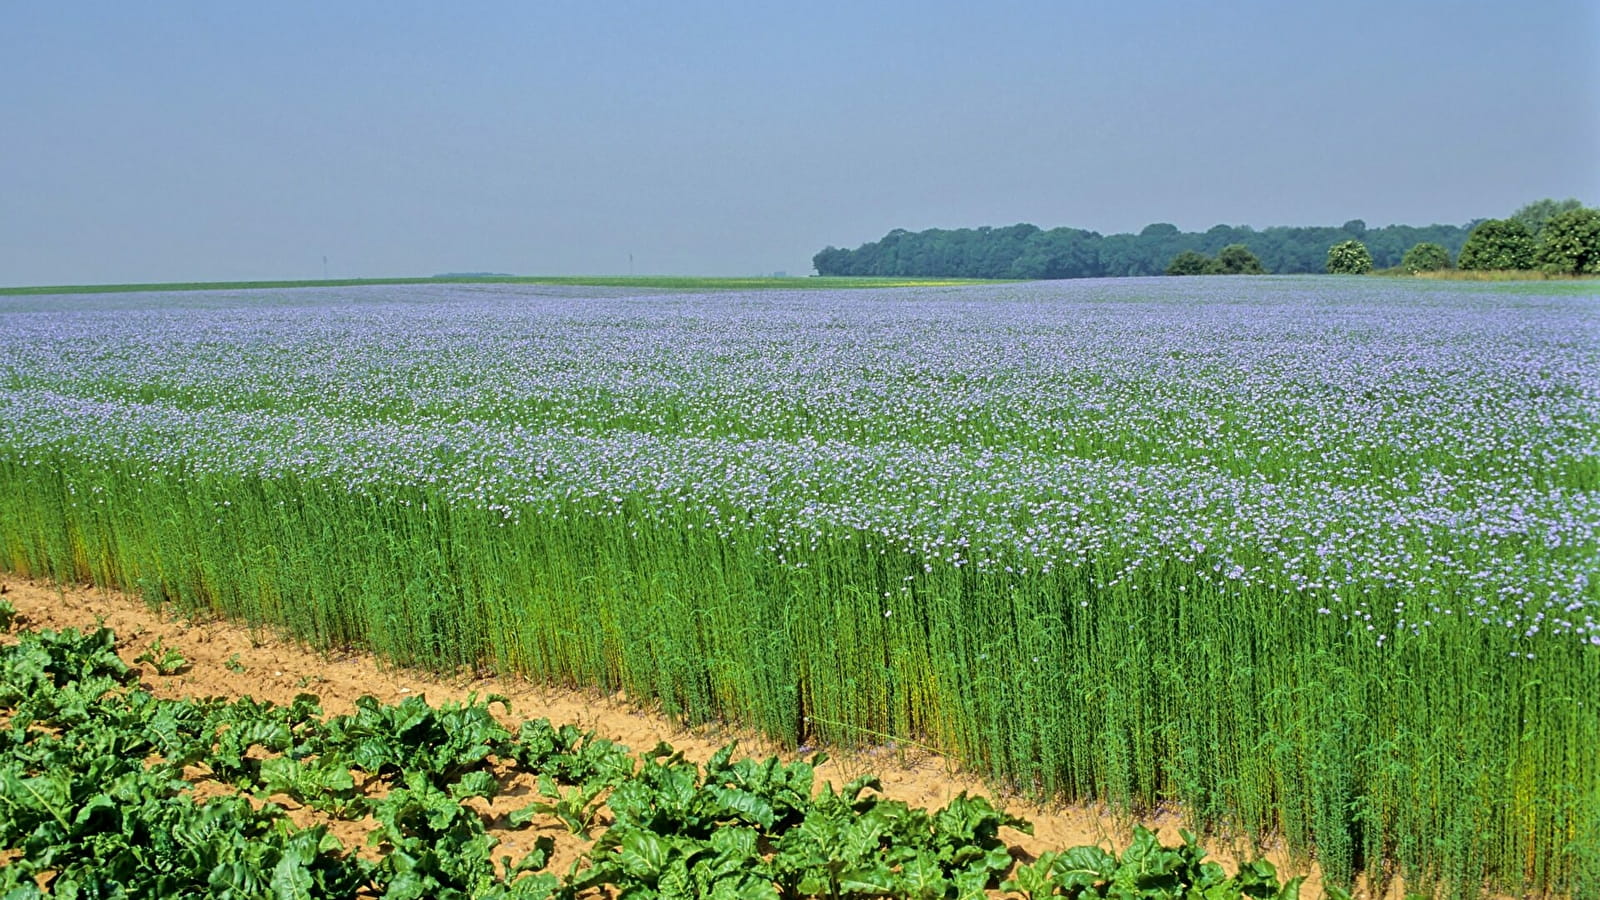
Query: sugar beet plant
1305	557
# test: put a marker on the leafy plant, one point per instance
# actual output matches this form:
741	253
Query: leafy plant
165	660
578	807
324	784
773	791
439	744
568	754
1148	870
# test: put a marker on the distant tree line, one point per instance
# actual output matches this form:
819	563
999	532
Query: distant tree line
1026	251
1560	237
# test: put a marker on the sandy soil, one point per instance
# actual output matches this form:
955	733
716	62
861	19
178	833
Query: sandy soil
227	659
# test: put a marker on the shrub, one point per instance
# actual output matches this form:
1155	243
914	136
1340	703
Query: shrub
1570	243
1425	257
1235	259
1498	244
1349	258
1189	263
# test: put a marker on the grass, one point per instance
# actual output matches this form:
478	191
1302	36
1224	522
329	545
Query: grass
641	282
1487	275
1308	559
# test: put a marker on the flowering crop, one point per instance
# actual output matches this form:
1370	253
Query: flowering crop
1263	547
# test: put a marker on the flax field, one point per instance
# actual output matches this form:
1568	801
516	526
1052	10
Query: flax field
1310	559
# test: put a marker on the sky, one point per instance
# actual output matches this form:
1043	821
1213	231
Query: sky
165	141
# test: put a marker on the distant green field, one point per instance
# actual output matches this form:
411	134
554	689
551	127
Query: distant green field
653	282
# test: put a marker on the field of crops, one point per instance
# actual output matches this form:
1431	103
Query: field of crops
1309	557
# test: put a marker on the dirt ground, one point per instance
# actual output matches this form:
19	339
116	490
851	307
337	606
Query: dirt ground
230	660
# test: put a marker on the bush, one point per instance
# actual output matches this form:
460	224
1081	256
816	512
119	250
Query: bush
1235	259
1498	244
1425	257
1570	243
1189	263
1349	258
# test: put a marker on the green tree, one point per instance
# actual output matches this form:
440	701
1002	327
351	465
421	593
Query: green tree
1570	244
830	260
1349	258
1189	262
1535	215
1236	259
1425	257
1498	244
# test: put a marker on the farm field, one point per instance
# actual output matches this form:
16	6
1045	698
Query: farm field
1304	557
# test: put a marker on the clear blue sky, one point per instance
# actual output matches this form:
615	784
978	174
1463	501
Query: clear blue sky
223	140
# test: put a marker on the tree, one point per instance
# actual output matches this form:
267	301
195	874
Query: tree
1498	244
1349	258
1570	244
1189	262
1236	259
1425	257
1535	215
830	260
